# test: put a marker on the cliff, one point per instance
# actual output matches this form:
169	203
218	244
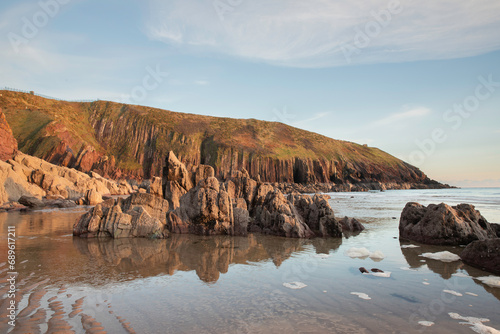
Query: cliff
119	140
9	143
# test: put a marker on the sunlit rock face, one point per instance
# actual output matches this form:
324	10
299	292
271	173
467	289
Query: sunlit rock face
442	224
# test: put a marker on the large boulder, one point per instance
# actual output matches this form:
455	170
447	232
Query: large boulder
9	143
140	215
483	254
442	224
205	209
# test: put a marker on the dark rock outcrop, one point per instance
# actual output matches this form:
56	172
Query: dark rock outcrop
483	254
31	202
351	225
8	144
443	225
140	215
496	228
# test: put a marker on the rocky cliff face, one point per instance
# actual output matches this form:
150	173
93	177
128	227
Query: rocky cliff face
8	143
118	140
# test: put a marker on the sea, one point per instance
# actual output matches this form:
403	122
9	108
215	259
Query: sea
254	284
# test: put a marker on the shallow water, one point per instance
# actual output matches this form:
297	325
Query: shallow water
235	284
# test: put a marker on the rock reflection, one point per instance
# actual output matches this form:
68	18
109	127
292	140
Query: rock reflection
207	256
474	272
444	269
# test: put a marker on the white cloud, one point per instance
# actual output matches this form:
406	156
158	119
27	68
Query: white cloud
408	114
310	33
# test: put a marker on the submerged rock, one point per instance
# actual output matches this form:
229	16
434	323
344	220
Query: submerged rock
351	225
483	254
442	224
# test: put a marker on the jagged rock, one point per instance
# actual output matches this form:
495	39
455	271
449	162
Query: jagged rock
317	214
496	228
443	225
140	215
205	209
157	207
92	197
351	225
175	170
155	187
274	214
9	143
176	180
31	202
202	172
483	254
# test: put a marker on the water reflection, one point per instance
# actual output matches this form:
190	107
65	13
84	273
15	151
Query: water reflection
207	256
444	269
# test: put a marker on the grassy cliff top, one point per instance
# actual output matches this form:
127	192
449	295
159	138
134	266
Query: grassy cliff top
32	117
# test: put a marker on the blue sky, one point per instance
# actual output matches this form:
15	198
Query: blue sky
418	79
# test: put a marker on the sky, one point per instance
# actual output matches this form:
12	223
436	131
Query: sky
417	79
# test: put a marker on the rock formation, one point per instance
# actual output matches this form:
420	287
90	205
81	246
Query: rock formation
9	143
483	254
140	215
25	175
443	225
198	203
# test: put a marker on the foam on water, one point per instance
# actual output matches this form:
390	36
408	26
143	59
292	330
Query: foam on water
362	252
493	281
453	292
294	285
361	295
357	252
475	323
378	255
471	294
460	275
409	246
425	323
444	256
386	274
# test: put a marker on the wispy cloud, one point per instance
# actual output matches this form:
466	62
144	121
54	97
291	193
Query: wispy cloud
315	117
309	34
201	82
408	114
